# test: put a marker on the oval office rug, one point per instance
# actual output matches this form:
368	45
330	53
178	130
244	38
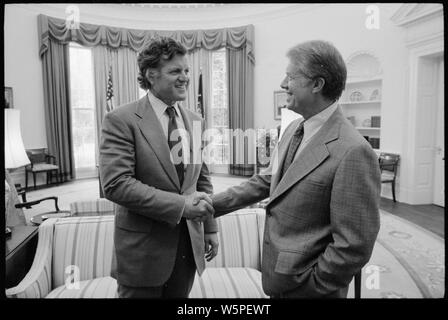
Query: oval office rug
410	261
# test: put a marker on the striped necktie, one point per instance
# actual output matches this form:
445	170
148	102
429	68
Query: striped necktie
172	126
292	149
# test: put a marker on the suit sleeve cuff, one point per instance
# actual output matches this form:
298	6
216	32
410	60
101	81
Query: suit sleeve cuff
181	214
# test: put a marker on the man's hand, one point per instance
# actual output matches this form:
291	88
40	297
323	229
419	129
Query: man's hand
211	245
198	207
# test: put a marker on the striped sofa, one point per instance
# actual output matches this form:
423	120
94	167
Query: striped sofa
80	247
96	207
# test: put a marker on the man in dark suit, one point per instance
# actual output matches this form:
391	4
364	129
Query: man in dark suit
323	184
163	217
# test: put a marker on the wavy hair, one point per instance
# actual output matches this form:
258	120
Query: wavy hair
160	49
320	59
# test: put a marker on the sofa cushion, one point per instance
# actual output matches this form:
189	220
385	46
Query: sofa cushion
104	287
228	283
97	207
239	240
214	283
82	244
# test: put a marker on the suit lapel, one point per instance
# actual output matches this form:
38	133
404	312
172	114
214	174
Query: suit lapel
282	150
312	156
153	133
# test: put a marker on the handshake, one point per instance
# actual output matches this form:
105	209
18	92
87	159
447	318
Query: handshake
198	207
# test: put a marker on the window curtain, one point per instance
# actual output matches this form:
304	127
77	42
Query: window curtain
55	65
241	115
123	63
200	62
238	42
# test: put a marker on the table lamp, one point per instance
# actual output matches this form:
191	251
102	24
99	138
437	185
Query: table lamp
15	154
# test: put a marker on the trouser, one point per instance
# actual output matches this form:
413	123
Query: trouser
181	280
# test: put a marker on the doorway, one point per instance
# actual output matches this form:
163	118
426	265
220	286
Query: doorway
439	145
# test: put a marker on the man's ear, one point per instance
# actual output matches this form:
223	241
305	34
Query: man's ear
319	84
151	75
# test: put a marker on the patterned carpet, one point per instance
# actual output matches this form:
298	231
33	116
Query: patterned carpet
407	261
410	261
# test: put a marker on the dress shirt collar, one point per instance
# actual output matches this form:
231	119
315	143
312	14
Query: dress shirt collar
313	124
160	106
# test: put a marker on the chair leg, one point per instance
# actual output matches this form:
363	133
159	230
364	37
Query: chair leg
24	197
393	190
26	179
34	179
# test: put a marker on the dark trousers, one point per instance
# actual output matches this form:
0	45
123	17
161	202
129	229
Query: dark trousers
181	280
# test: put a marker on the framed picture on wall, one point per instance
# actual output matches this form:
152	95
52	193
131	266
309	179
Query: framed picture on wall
8	98
279	103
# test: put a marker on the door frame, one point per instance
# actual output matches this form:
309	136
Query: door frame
410	191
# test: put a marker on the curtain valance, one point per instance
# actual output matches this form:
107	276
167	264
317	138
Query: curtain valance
93	35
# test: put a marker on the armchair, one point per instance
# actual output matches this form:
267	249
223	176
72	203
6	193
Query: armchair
41	161
82	246
14	213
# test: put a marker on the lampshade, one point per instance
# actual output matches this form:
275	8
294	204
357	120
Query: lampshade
288	116
15	154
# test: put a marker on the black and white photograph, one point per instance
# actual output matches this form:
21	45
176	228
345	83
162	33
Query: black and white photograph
133	167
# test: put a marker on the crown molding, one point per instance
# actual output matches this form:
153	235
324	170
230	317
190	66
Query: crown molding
409	14
212	15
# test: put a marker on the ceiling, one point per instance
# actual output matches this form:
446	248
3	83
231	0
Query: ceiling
174	5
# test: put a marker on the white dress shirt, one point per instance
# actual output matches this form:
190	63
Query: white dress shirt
312	126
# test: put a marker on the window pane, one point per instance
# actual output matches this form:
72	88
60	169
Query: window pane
82	97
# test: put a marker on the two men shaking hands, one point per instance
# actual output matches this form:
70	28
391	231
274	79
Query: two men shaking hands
322	218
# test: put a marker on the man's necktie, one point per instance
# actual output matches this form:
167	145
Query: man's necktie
293	146
172	126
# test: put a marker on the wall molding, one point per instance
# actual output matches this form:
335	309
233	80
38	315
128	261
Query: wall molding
409	14
213	16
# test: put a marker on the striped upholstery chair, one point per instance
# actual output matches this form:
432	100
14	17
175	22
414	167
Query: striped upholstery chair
97	207
87	241
235	271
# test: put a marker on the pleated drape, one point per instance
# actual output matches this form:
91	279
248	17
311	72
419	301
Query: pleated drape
55	66
241	115
123	62
93	35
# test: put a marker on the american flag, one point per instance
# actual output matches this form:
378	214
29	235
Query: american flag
200	107
109	92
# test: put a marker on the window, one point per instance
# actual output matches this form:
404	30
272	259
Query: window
82	97
219	113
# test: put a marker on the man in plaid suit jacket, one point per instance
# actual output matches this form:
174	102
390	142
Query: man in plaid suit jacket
323	184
